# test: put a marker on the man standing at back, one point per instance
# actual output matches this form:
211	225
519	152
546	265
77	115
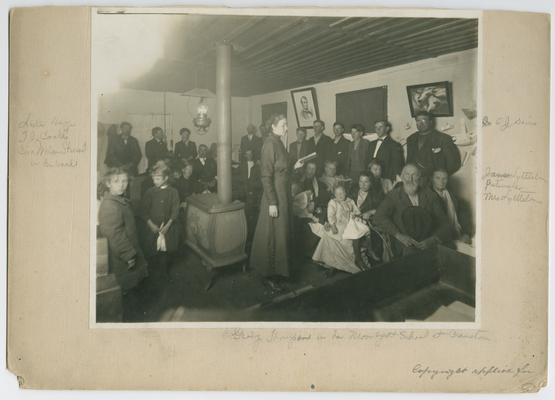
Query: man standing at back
250	142
156	149
340	147
322	144
205	170
357	156
299	148
430	149
387	151
123	150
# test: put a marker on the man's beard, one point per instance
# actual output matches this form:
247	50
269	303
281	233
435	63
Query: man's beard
410	187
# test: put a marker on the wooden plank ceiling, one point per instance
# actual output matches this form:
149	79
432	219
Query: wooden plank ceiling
277	53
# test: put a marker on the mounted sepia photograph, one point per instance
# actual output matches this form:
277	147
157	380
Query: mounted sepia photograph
259	168
234	195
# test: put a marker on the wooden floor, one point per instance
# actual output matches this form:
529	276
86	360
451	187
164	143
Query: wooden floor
233	293
405	289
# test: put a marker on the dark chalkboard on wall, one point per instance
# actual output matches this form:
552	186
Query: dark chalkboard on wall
364	107
274	108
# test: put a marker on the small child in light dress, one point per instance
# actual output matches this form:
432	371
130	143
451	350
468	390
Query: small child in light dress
333	251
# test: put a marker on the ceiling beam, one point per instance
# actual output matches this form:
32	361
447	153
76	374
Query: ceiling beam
245	27
318	41
352	51
286	38
471	24
262	40
394	61
429	50
340	48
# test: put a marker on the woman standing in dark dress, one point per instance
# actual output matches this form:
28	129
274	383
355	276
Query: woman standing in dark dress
270	248
185	149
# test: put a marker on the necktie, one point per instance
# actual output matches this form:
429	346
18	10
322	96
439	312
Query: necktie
315	186
378	145
421	141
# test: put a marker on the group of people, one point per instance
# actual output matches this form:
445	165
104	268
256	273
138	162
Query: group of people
145	231
345	204
145	236
197	165
351	204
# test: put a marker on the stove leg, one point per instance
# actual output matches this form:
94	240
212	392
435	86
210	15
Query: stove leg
212	277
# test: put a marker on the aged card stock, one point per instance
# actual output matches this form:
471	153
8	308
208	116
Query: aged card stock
56	154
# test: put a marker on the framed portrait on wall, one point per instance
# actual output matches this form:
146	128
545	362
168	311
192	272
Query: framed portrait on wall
435	98
306	106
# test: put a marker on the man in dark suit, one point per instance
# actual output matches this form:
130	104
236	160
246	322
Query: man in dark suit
309	181
123	150
305	241
459	218
205	170
250	142
340	147
387	151
156	149
413	215
358	154
430	149
263	130
322	144
251	190
300	148
185	149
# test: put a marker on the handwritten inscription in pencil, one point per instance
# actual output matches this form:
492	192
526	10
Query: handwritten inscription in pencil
428	372
50	143
507	122
292	337
511	186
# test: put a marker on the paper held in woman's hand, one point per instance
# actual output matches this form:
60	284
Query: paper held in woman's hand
300	162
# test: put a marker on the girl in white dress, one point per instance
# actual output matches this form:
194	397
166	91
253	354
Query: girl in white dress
333	251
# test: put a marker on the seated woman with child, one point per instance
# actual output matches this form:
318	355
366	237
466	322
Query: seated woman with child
368	195
333	251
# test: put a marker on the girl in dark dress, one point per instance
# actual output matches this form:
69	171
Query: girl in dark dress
160	208
270	248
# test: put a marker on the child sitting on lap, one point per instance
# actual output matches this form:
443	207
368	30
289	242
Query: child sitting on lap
333	251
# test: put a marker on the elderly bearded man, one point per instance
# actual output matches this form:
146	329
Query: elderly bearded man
413	215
